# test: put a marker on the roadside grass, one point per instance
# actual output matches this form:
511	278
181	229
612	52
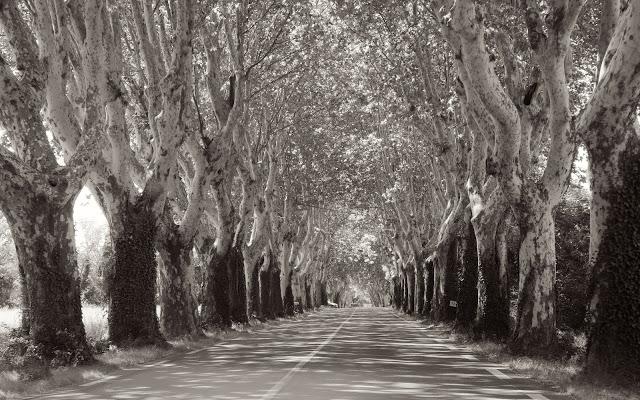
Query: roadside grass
113	360
564	374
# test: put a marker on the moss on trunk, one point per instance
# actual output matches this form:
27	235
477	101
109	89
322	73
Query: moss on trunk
215	311
132	280
614	334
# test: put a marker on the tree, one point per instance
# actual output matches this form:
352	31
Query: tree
608	126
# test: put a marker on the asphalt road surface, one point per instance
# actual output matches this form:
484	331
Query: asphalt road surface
342	354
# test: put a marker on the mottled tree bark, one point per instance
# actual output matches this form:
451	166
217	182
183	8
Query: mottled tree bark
535	324
610	130
178	306
46	253
492	316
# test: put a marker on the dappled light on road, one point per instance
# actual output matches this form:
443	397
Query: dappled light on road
373	355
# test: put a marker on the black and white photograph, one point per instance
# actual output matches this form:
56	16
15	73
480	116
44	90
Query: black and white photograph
319	199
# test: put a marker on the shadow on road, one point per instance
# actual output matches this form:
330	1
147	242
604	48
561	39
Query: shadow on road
373	356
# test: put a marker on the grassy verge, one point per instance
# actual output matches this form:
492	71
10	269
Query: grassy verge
564	374
11	387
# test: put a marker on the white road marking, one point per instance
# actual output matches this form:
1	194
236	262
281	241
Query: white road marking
105	379
537	396
194	351
469	357
497	373
275	389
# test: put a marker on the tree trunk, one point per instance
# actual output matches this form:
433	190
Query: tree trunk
535	331
266	309
411	287
308	289
468	285
419	281
215	305
324	299
277	306
405	291
44	240
613	348
492	317
178	306
397	292
288	301
253	288
429	285
132	280
237	287
444	279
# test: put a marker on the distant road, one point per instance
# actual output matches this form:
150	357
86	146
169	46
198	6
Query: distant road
340	354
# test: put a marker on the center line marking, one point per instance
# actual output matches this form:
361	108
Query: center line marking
538	396
497	373
285	379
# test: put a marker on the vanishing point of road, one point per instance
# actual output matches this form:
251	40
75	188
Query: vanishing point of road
335	354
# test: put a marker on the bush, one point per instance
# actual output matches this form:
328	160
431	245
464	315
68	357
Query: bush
24	357
7	286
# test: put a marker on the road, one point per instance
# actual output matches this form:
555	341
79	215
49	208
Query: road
342	354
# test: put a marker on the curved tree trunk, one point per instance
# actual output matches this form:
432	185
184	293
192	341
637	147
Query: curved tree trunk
535	331
468	285
44	240
614	312
132	279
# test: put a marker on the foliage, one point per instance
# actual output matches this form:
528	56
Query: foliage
572	250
